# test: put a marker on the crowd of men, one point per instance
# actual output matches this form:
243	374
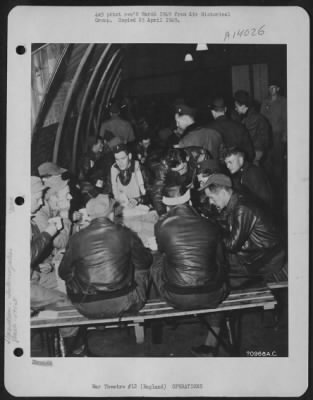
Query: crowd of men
216	188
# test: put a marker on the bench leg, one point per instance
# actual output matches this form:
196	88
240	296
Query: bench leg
56	343
233	327
229	331
218	337
140	333
232	345
58	346
61	345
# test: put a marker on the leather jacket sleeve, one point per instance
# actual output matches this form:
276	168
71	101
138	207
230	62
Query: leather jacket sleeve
156	190
38	245
141	257
221	261
65	268
157	235
241	225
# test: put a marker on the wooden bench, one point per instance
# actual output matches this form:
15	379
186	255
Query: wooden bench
279	280
154	309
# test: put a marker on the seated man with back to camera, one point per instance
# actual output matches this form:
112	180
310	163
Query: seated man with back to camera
126	178
106	266
190	271
253	243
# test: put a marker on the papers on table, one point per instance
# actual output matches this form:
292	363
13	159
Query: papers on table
142	221
141	209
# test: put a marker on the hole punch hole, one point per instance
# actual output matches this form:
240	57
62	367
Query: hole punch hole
19	200
20	50
18	352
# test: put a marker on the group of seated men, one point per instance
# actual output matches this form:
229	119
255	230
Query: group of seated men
215	232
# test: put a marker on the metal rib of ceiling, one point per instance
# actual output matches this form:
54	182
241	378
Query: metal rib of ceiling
90	72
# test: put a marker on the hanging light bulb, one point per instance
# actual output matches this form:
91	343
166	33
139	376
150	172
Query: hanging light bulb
201	47
188	57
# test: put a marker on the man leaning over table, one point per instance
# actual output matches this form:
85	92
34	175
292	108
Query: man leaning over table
106	266
253	243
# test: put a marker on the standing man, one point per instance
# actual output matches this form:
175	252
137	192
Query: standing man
193	134
255	123
106	266
94	168
253	244
120	128
274	108
233	133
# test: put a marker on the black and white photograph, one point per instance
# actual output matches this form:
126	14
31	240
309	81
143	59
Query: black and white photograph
127	135
164	200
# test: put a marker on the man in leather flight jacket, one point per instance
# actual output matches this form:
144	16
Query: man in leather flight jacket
191	272
106	266
253	244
